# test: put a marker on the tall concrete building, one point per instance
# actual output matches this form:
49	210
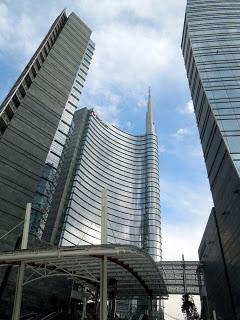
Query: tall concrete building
35	122
100	155
210	46
36	115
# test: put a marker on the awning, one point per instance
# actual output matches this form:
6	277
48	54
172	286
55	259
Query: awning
135	271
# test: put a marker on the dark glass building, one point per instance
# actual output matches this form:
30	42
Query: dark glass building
36	115
99	155
35	123
210	46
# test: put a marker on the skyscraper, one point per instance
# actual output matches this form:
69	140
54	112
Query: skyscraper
210	46
35	122
99	155
36	116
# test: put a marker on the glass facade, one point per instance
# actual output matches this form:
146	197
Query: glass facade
212	58
35	117
128	166
81	49
210	46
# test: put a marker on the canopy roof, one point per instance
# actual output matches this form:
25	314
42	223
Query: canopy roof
135	271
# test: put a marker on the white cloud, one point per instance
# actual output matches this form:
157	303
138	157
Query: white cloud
108	113
181	239
18	33
181	132
137	45
120	62
129	124
188	208
185	200
151	10
162	148
188	109
196	152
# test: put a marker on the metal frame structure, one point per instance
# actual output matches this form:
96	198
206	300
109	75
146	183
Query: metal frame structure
135	271
181	276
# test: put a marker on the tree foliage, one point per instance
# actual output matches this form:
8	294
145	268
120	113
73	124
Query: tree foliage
189	308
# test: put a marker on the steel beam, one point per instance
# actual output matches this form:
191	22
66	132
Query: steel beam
20	276
23	255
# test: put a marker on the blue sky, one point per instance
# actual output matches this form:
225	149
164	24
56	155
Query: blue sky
137	46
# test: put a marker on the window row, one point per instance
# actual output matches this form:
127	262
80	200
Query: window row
84	210
83	196
113	195
118	147
114	183
120	231
105	157
111	174
80	191
118	135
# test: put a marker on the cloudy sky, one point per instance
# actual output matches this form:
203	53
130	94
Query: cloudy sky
137	46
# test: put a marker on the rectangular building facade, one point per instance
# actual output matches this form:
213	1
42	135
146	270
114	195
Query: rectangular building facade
35	122
36	115
210	46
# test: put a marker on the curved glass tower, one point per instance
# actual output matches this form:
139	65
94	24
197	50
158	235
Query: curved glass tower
127	165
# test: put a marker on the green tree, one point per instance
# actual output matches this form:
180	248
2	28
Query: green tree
189	308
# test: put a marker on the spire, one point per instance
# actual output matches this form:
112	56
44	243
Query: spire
149	115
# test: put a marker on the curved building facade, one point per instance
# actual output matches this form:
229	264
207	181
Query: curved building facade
127	165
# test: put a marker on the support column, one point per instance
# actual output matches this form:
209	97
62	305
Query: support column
103	275
150	310
214	315
20	276
103	291
84	305
184	275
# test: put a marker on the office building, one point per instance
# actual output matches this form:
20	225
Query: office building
210	46
36	115
100	155
35	121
